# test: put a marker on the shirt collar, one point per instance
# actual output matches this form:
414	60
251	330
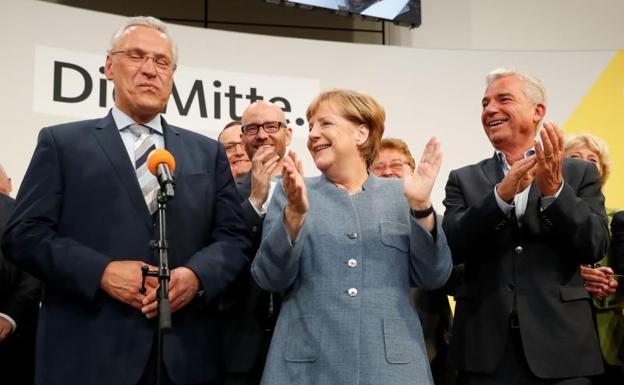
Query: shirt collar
503	159
122	120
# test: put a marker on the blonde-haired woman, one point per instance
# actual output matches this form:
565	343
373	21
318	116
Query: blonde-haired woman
346	247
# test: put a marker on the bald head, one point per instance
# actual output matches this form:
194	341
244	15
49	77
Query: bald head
5	182
261	112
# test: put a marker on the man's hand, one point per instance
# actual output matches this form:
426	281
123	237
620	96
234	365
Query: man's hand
5	328
294	187
599	281
183	287
518	178
122	281
549	159
263	165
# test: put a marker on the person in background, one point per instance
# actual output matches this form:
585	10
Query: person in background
600	279
19	304
433	307
345	247
247	312
231	139
522	222
84	219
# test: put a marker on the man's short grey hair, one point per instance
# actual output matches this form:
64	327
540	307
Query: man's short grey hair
534	89
145	21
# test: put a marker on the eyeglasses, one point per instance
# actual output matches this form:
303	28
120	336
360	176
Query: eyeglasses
269	127
136	57
396	166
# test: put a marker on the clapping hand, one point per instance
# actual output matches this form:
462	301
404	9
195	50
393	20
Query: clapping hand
296	195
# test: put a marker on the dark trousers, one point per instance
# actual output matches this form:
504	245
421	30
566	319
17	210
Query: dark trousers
150	373
514	369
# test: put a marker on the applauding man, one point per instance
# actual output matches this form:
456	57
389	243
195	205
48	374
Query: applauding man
522	222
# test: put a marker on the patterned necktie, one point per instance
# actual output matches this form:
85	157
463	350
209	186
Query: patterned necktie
143	145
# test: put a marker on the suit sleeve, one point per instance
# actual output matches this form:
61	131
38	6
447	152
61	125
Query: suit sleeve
617	243
430	257
578	218
23	295
467	227
32	240
276	264
221	260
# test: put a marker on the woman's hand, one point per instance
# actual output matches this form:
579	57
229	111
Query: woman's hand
296	195
417	186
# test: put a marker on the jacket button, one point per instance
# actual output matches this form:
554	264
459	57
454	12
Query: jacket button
518	250
352	235
352	262
510	287
352	292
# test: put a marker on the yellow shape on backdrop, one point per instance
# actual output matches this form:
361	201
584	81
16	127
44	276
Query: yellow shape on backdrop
601	112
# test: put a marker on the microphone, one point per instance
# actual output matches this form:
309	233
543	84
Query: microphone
160	162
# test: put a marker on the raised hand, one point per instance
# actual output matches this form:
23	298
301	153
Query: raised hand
549	159
417	186
263	165
297	198
519	177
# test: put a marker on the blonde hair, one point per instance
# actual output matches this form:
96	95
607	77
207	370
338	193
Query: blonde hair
595	145
358	108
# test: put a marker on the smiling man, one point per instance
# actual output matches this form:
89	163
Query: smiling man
248	313
84	218
522	222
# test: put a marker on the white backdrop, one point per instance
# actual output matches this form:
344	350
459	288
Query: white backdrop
425	92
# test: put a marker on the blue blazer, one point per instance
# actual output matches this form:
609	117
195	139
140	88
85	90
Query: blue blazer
80	207
347	317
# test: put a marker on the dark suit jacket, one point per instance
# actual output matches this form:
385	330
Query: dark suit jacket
19	298
533	268
617	244
80	207
248	313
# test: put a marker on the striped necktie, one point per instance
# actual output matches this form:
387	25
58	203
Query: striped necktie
143	145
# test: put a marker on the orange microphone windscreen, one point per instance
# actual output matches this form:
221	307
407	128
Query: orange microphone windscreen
158	156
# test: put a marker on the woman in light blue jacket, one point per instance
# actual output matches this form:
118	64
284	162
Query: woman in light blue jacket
345	247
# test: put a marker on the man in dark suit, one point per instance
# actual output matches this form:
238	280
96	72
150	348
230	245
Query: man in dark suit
248	313
522	222
19	303
83	222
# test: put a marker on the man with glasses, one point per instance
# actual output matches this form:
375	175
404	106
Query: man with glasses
249	313
84	218
231	139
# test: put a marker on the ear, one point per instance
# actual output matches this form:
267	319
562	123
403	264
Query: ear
108	67
361	134
288	136
539	111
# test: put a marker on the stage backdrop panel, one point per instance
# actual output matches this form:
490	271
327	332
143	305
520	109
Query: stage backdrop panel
52	66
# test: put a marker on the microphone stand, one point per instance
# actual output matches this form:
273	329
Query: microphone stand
165	194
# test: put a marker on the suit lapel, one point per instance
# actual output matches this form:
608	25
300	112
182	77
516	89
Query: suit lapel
109	139
173	144
493	170
530	220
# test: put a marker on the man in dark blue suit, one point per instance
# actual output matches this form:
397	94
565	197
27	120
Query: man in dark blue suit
84	219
